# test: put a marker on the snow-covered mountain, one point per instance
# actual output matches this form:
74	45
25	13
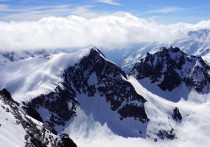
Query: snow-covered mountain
196	42
18	129
173	70
94	77
83	94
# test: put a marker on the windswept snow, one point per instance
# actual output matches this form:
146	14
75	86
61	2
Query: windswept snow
30	77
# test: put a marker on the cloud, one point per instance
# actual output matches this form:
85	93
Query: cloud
38	12
114	30
85	11
166	10
111	2
22	13
3	7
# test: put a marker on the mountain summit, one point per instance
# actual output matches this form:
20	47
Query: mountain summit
171	68
93	79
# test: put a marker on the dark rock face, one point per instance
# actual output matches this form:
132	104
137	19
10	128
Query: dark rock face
109	81
7	97
66	141
168	68
33	113
132	110
163	134
177	115
57	105
35	136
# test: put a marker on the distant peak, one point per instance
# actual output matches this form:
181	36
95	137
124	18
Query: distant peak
199	33
170	67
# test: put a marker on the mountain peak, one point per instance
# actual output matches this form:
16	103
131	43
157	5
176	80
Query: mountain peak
93	82
169	68
95	51
171	49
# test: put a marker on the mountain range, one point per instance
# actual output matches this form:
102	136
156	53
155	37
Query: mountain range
157	93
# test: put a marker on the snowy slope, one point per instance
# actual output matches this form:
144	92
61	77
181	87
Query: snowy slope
35	75
9	128
194	118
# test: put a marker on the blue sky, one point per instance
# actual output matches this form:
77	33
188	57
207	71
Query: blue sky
162	11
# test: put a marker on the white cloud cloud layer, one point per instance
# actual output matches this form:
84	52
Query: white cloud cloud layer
111	2
166	10
108	31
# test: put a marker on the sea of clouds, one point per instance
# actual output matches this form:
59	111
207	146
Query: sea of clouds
114	30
